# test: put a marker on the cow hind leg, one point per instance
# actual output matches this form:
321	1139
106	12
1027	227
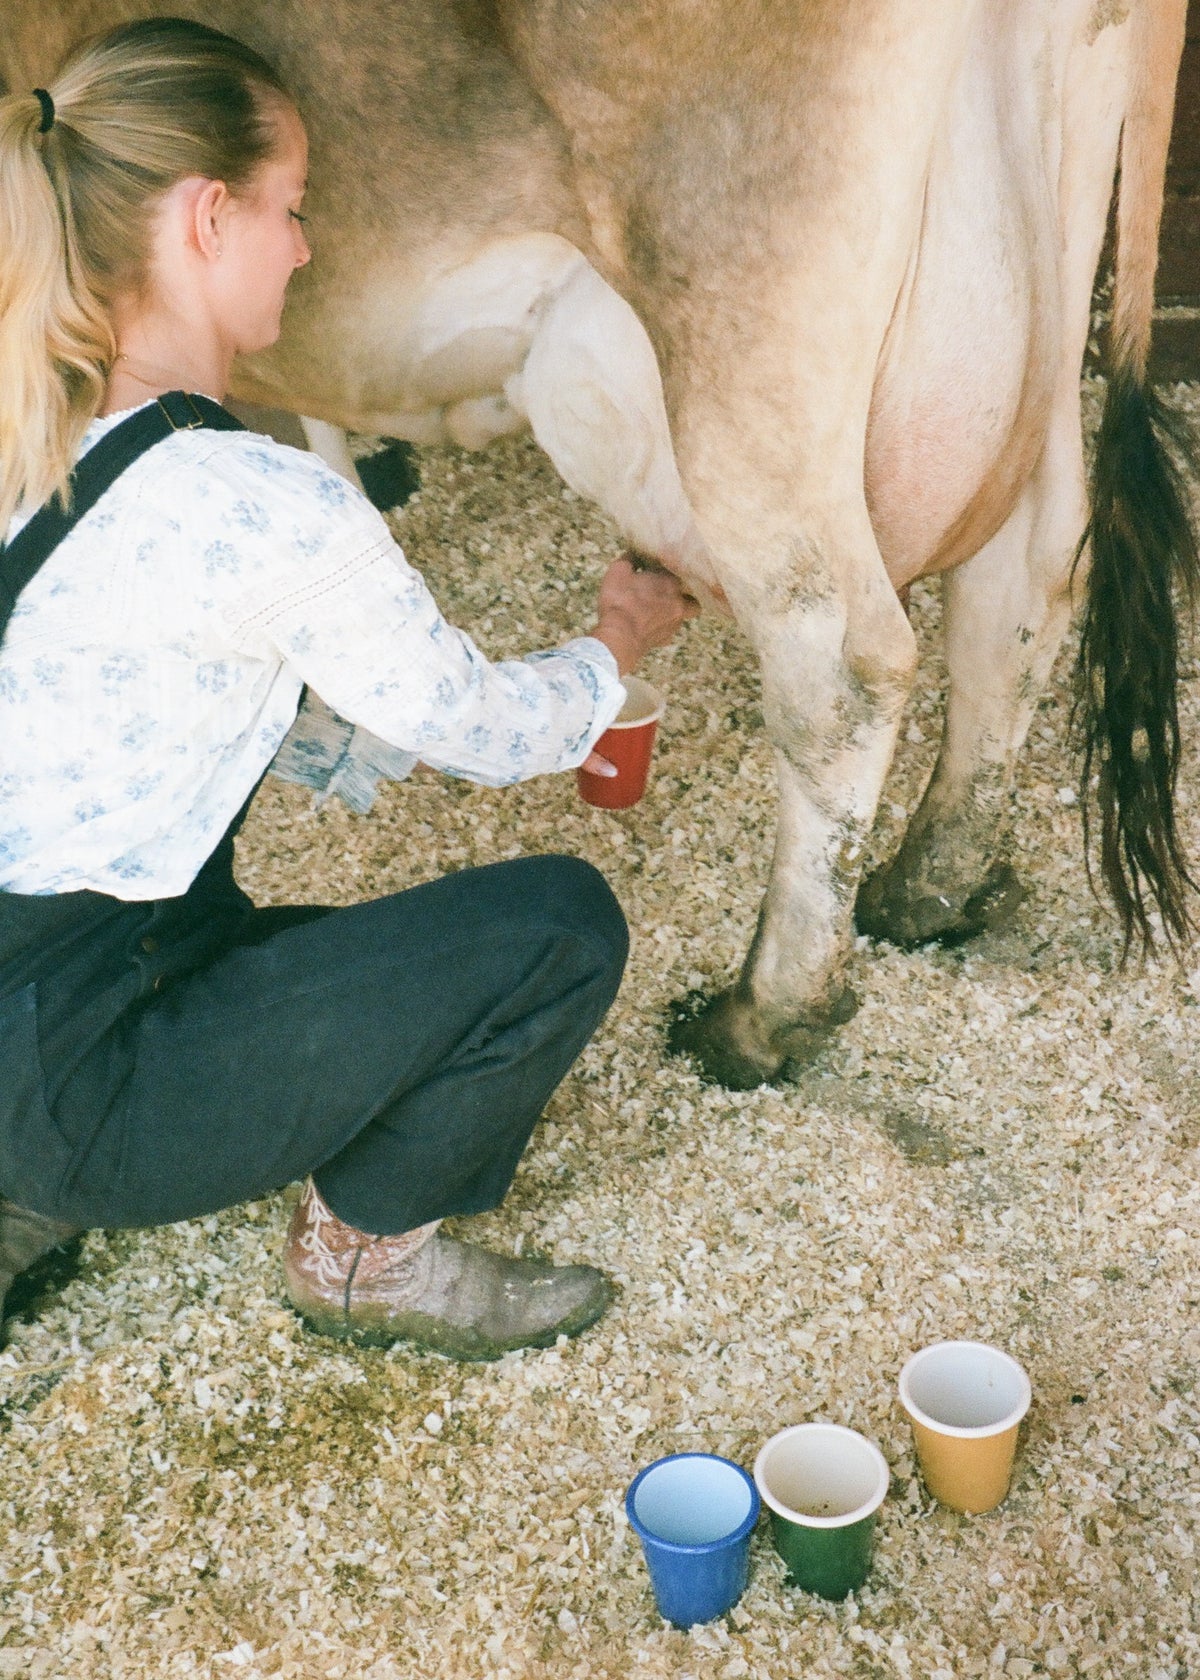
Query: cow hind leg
1005	611
837	657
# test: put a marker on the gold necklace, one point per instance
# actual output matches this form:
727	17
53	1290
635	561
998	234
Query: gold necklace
155	380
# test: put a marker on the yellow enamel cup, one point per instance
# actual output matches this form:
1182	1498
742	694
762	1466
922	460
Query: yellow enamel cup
965	1401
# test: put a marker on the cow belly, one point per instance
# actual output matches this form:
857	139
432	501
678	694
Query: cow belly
971	357
946	462
424	348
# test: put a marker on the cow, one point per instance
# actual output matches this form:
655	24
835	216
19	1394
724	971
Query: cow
799	291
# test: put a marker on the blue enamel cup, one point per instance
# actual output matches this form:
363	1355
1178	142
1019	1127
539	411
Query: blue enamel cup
694	1514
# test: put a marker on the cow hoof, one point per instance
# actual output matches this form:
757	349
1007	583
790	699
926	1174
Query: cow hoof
391	476
884	911
720	1036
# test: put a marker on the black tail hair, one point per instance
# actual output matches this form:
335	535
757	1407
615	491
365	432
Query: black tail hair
1145	564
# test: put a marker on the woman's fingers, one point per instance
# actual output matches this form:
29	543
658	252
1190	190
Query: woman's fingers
640	609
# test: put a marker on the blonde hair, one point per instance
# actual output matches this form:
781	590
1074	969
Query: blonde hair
135	110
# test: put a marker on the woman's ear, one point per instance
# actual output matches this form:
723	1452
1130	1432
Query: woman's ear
207	208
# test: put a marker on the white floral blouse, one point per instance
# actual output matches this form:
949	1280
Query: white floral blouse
155	663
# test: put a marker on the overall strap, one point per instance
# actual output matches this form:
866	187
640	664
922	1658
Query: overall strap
99	467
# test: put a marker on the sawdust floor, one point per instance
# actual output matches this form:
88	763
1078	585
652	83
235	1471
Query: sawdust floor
1002	1144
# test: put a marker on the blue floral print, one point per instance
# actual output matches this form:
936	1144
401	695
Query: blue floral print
220	557
14	845
118	670
155	664
251	517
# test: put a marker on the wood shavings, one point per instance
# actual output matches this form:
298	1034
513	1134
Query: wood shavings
1002	1144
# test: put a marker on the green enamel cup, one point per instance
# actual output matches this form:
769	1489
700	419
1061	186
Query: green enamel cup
823	1484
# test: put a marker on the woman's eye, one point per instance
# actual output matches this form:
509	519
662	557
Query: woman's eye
297	217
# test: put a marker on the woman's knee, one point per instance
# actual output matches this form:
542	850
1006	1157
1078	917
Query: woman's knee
575	897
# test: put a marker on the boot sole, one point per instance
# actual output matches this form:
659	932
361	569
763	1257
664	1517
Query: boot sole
432	1335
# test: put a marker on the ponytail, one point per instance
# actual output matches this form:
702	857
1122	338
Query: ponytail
83	165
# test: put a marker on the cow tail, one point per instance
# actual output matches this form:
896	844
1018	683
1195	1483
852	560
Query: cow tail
1144	558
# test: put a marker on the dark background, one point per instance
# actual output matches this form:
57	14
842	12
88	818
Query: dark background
1177	329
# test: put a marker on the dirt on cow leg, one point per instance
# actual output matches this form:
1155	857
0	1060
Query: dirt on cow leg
946	883
724	1037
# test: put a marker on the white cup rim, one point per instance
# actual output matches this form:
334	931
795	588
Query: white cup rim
843	1519
651	703
965	1432
696	1548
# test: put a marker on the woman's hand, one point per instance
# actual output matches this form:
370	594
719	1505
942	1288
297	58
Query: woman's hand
640	609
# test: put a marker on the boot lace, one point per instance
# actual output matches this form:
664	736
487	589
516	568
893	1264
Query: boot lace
321	1260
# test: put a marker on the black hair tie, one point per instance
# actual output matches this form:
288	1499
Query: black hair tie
47	104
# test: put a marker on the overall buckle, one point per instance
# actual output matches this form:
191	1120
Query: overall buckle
181	412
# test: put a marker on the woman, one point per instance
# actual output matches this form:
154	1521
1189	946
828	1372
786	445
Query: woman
166	1048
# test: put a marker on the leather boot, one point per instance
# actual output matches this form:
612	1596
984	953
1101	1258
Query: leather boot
24	1238
450	1297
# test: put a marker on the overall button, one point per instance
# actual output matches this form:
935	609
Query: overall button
149	945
